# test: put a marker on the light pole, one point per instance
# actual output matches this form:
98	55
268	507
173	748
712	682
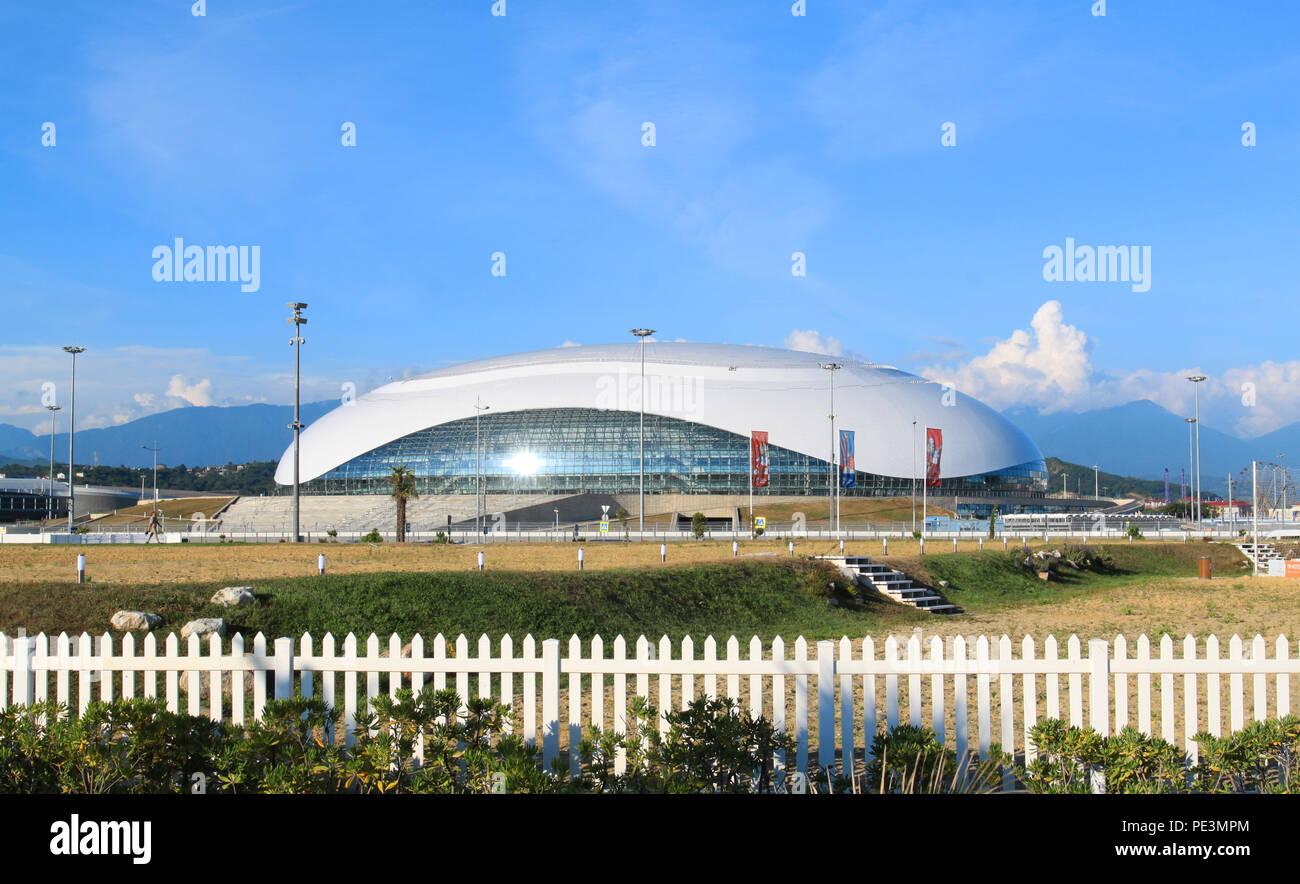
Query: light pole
1096	481
913	475
833	515
49	502
297	321
1282	459
1191	469
72	432
1196	386
642	333
478	469
155	470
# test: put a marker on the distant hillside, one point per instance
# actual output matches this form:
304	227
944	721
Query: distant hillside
198	436
1142	439
1080	480
245	479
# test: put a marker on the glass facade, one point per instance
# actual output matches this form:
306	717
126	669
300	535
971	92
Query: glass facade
578	450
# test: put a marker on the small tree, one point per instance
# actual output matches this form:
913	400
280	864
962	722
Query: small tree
402	482
622	515
698	524
993	518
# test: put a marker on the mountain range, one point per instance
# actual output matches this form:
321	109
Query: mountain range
1137	439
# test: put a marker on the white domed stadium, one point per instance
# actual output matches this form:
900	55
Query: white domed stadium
567	421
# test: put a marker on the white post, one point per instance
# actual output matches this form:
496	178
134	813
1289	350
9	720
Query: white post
320	564
885	541
283	669
663	552
841	547
480	561
735	548
81	568
1254	517
922	544
791	547
579	559
550	702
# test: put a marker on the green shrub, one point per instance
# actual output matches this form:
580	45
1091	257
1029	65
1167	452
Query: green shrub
372	537
698	525
1263	757
911	760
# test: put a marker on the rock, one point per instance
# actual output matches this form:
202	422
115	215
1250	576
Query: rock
232	596
943	583
406	652
1044	576
204	626
125	621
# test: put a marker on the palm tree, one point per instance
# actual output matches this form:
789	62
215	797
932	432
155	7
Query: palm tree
403	484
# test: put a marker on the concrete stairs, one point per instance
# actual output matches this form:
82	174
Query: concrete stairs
1261	555
893	584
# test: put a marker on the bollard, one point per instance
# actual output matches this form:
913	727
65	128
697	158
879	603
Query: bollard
886	550
922	546
954	544
1004	543
81	567
735	549
579	558
841	547
791	547
663	552
981	543
1130	540
1184	537
480	561
320	564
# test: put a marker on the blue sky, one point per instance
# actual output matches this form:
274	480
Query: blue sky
774	134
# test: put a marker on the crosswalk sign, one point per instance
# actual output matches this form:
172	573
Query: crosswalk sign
760	521
604	527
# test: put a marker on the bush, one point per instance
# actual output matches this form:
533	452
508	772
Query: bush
441	537
1134	531
372	537
1070	759
698	525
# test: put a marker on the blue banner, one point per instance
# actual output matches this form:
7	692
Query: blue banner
848	473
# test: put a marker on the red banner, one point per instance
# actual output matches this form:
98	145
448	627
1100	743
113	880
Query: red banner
933	451
758	462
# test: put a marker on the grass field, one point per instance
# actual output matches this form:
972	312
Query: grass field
535	588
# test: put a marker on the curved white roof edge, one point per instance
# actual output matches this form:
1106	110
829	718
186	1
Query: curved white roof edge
732	387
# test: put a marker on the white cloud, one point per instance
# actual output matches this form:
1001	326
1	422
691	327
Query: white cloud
1048	367
811	341
570	344
196	394
144	400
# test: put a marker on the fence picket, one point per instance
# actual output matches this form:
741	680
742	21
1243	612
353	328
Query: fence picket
1144	684
801	705
171	679
260	668
484	677
349	689
688	680
1121	686
847	750
462	674
1053	682
710	668
530	692
193	696
1257	656
666	681
756	680
41	668
1283	653
215	712
825	705
308	681
63	678
1029	690
938	714
891	683
984	719
961	663
1167	688
1214	702
237	675
598	681
914	679
1073	653
1006	699
326	678
1191	715
620	697
778	691
130	667
575	701
1234	682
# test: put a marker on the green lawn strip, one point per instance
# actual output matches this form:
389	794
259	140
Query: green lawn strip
990	580
745	598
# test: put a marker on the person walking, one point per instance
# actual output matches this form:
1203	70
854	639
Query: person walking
155	525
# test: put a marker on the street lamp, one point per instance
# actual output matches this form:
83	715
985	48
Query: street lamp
1196	386
49	503
913	475
1191	469
642	333
1096	481
72	432
834	514
155	470
478	470
297	321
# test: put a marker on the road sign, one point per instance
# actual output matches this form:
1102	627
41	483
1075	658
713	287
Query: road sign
760	521
604	527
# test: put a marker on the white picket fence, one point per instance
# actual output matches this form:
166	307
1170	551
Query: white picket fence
842	691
